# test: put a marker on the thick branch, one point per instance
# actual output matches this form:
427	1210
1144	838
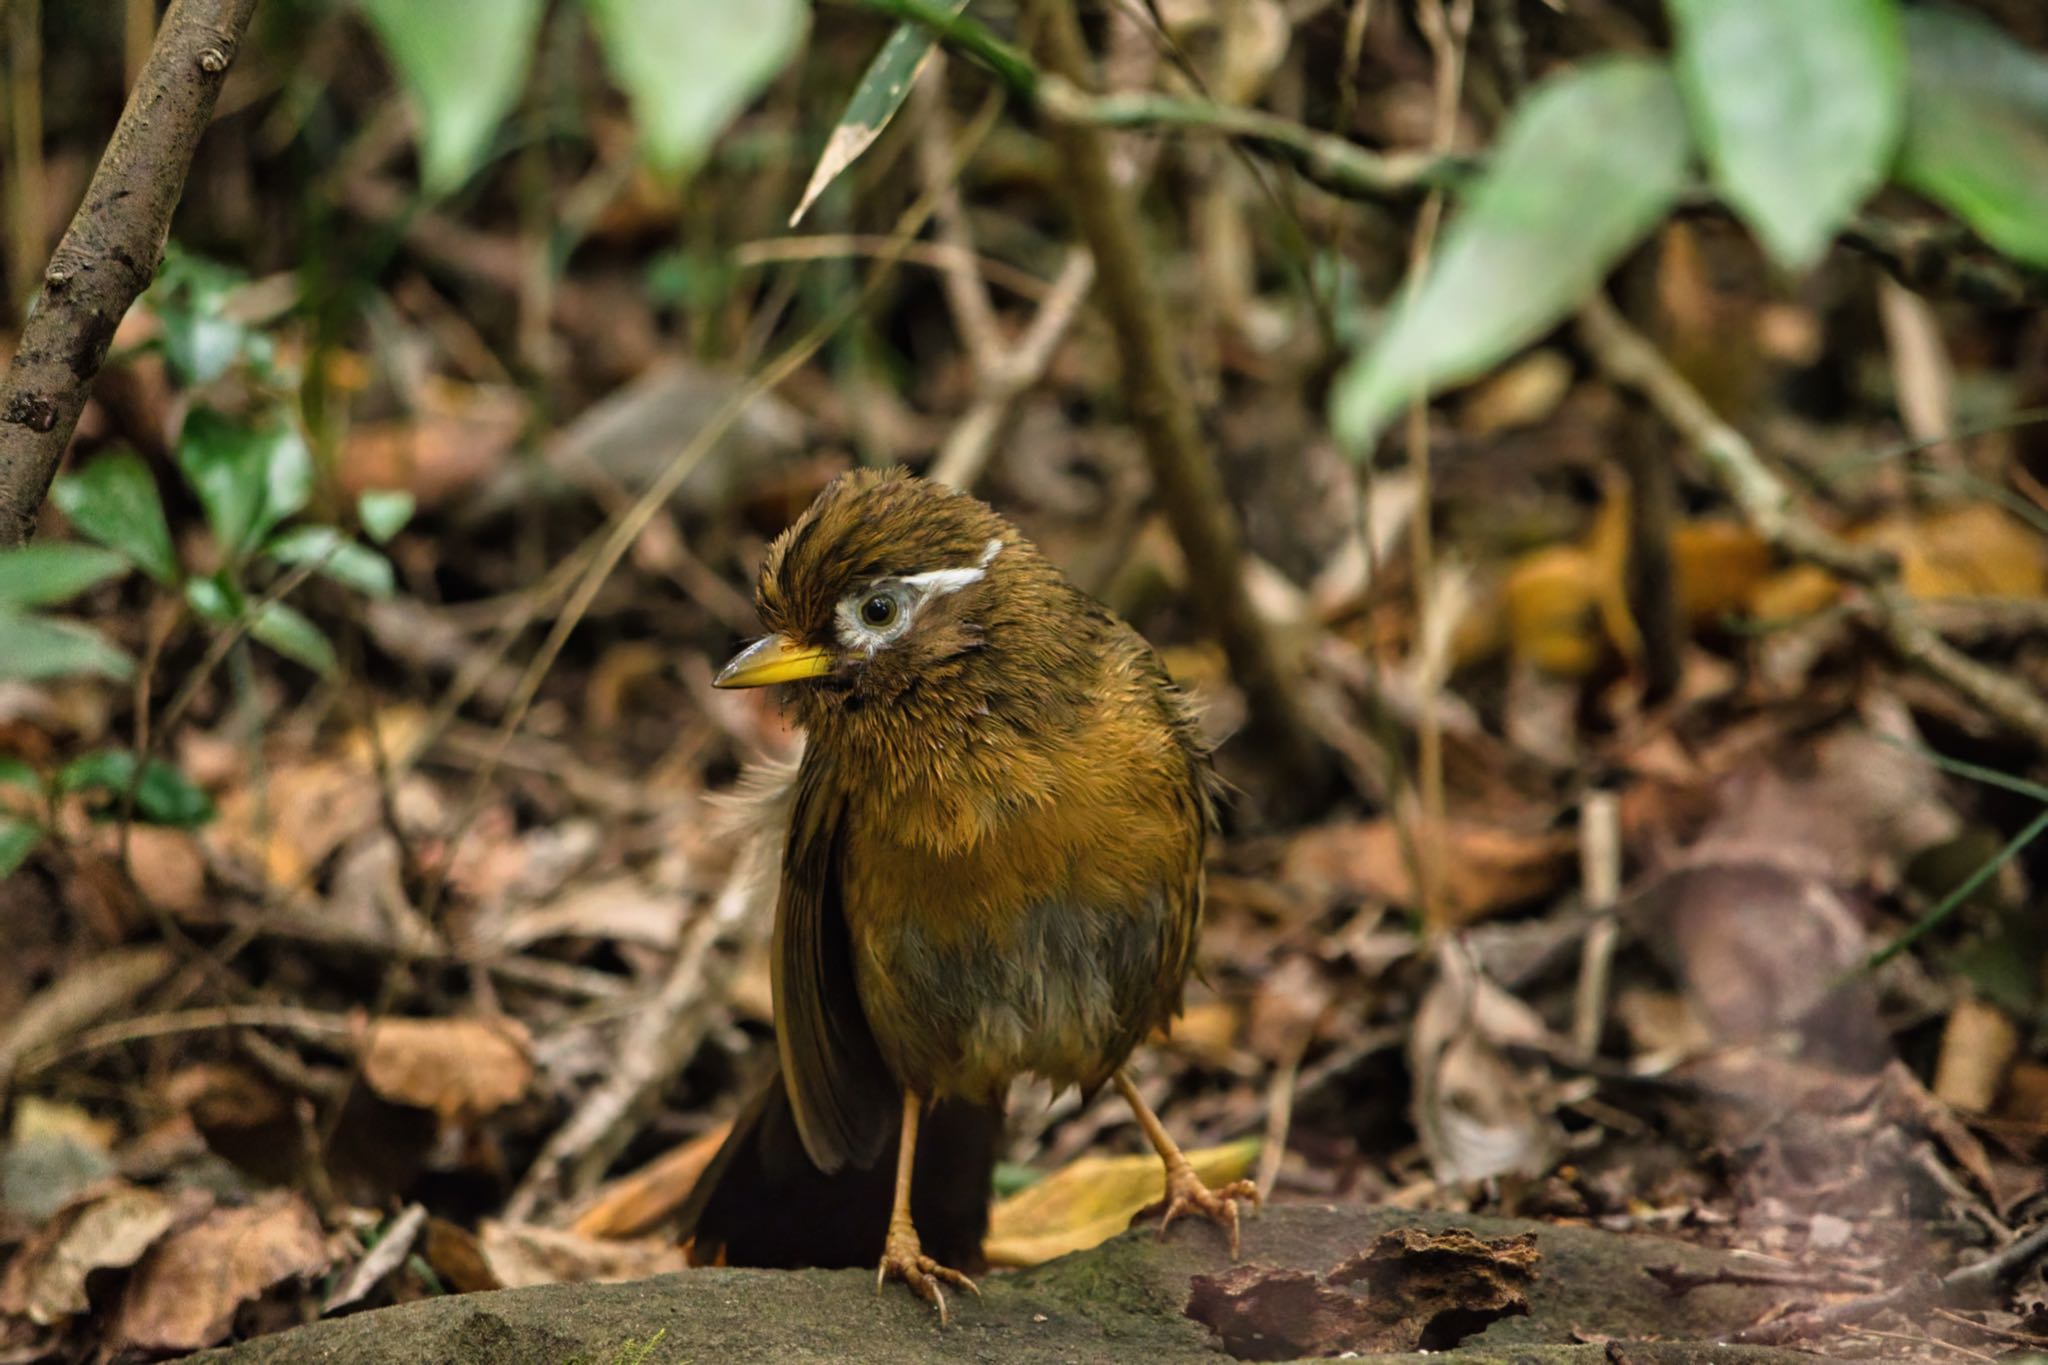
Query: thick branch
1185	476
1628	358
111	251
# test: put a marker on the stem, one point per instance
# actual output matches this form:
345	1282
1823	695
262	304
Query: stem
1156	392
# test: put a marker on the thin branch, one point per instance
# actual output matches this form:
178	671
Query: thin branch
111	251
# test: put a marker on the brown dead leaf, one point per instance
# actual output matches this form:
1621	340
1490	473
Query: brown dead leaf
459	1068
639	1201
1487	868
185	1292
523	1254
46	1280
1091	1200
458	1258
1423	1291
458	438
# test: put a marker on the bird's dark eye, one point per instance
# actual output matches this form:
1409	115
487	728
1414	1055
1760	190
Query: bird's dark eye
879	611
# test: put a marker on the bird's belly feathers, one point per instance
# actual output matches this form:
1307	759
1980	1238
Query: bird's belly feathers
1061	990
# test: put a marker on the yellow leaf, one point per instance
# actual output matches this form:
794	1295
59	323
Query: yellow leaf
1093	1199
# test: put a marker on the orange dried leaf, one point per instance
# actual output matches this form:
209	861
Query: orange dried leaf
459	1068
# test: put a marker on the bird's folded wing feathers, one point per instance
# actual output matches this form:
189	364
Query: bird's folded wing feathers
843	1097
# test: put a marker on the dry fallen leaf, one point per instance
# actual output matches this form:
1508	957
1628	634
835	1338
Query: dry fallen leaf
525	1253
185	1292
637	1202
46	1280
459	1068
1093	1199
1486	868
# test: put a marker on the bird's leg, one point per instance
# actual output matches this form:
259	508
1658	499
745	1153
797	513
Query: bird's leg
1184	1189
902	1255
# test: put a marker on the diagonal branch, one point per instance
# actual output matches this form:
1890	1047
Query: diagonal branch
111	251
1628	358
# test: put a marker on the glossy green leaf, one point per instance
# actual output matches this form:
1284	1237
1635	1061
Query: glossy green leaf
346	561
18	839
464	63
1589	164
33	647
54	571
1797	106
164	796
690	66
248	478
384	512
289	633
1977	129
114	501
883	88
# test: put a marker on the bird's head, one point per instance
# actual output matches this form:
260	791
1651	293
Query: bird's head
888	585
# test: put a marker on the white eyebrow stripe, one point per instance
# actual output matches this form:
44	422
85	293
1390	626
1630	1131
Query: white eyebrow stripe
936	581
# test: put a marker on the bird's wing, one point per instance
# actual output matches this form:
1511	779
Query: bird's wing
840	1090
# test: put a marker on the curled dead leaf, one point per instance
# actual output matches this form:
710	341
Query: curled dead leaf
185	1292
45	1281
459	1068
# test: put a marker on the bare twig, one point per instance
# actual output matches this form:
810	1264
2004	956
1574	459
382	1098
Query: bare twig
1183	473
111	250
1958	1286
1629	359
974	314
1446	31
1600	880
967	447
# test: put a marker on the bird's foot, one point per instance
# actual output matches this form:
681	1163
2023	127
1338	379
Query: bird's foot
903	1257
1185	1193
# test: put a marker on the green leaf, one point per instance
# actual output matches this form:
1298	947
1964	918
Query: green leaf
690	66
164	796
18	839
190	298
346	561
113	500
384	512
464	63
289	633
33	647
883	88
16	772
1977	129
216	599
1798	107
1588	165
55	571
248	478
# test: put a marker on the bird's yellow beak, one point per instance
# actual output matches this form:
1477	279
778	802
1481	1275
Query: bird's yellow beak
776	659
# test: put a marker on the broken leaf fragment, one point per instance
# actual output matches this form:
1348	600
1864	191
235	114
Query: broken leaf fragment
1093	1199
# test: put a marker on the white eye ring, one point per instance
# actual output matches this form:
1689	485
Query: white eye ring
858	630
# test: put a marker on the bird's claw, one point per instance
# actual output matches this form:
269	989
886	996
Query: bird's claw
904	1258
1185	1193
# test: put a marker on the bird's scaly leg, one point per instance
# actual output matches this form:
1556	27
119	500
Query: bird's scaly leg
902	1255
1184	1189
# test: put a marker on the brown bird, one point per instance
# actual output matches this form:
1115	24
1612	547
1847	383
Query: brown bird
992	866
